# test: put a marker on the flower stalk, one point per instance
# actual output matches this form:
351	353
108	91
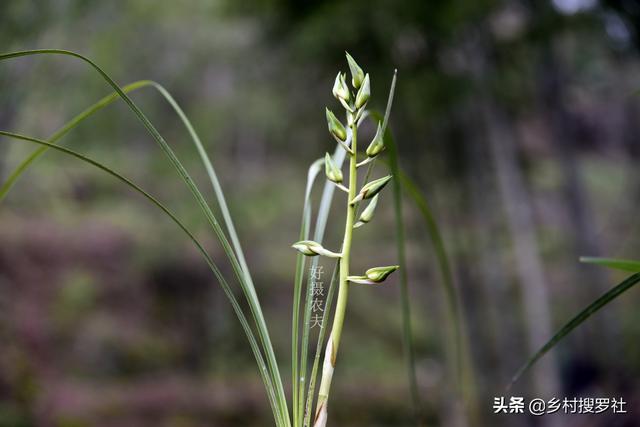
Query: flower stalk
354	104
343	292
354	111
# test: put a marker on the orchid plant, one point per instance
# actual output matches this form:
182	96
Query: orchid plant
354	100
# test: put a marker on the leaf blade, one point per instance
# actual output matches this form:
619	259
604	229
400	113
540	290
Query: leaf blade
615	263
64	130
243	277
319	345
313	172
407	329
583	315
225	286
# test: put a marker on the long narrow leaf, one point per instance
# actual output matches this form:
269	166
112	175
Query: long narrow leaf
244	279
437	242
314	170
615	263
318	236
214	268
407	334
64	130
215	183
599	303
463	367
104	102
319	346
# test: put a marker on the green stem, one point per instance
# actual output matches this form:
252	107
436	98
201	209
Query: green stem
343	291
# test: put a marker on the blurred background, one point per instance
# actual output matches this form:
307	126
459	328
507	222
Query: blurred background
518	119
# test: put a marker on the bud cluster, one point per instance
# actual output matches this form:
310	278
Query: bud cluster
354	104
354	100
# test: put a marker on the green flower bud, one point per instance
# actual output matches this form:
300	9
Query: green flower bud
363	93
311	248
340	88
341	91
357	75
367	214
335	127
373	276
371	189
331	170
379	274
377	144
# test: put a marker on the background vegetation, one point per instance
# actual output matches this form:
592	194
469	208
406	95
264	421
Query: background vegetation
519	120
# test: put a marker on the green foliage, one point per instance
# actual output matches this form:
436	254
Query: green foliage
618	264
270	374
261	346
577	320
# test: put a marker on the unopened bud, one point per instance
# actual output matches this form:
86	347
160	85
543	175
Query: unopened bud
371	189
363	94
311	248
340	88
331	170
377	143
367	214
335	127
373	276
357	75
379	274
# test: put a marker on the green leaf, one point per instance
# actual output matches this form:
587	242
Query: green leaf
65	129
615	263
246	282
214	268
463	368
321	221
599	303
316	360
314	170
104	102
405	300
407	331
